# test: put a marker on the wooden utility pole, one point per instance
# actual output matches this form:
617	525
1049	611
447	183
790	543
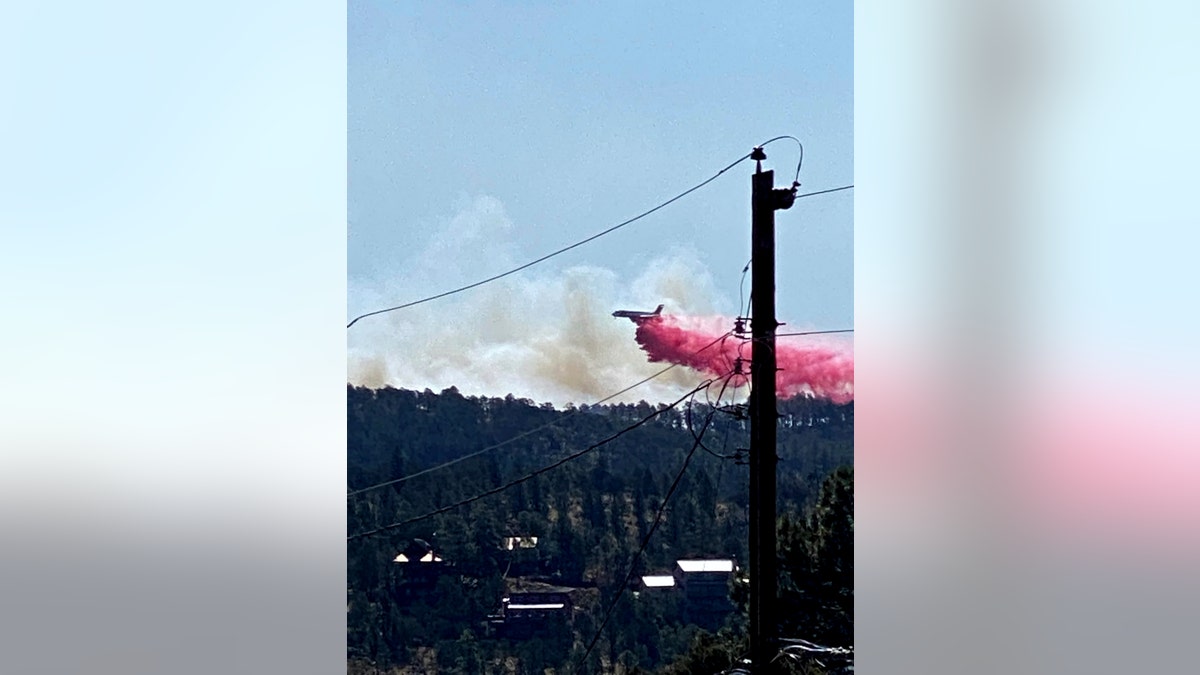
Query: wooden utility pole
764	415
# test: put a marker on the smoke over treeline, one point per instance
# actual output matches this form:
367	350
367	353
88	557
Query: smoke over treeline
546	334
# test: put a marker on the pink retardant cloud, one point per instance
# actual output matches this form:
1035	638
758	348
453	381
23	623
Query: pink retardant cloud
822	369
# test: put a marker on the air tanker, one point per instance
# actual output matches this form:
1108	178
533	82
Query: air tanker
637	317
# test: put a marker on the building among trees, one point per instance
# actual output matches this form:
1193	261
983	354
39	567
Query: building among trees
705	588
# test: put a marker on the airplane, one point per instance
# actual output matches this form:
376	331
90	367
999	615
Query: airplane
637	317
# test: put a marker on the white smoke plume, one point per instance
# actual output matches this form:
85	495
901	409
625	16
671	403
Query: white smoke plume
543	334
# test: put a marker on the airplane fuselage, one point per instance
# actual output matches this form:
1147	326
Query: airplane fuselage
636	316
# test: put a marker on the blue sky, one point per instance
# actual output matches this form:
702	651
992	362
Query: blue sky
573	118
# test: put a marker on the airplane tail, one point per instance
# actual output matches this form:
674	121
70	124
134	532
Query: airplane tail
658	311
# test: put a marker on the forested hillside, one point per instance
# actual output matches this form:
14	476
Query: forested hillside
590	516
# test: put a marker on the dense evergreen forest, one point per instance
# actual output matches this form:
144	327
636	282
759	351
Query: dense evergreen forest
590	516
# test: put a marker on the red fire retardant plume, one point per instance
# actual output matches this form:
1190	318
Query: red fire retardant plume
806	365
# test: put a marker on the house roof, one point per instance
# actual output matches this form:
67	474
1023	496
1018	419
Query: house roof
658	580
428	557
705	565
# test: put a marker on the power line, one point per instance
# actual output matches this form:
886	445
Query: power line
798	164
823	192
742	283
721	473
530	475
614	228
749	340
523	434
816	332
646	540
713	409
501	444
744	309
577	244
422	472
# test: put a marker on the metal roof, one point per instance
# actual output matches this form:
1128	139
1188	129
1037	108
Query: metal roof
705	565
428	557
658	580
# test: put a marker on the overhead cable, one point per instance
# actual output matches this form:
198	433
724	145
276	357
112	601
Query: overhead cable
530	475
560	251
824	192
614	228
523	434
653	527
815	332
